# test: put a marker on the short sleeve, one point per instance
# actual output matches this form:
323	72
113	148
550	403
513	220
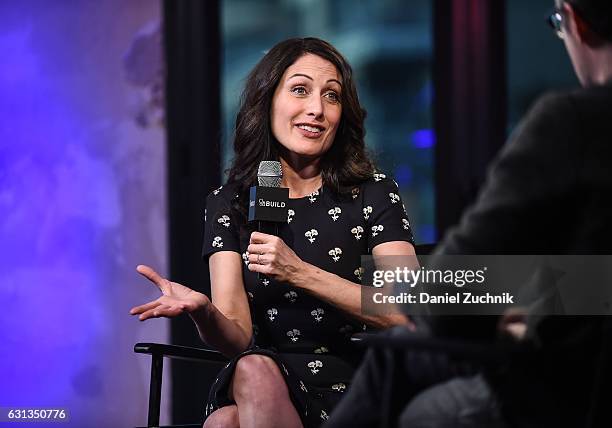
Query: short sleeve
221	230
384	212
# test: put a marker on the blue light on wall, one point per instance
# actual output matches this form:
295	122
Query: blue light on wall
426	233
403	176
423	138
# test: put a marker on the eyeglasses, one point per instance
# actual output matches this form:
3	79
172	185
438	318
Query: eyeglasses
555	20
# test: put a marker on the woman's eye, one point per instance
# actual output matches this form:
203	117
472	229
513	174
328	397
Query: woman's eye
299	90
332	96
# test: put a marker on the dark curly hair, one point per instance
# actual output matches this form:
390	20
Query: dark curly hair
343	166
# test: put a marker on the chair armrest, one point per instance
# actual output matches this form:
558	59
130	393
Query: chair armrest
422	342
180	352
160	351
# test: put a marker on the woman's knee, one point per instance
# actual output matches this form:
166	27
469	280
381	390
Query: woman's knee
257	367
224	417
257	376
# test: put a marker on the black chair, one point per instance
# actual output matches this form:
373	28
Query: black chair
158	352
200	355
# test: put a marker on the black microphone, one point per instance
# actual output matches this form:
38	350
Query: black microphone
268	201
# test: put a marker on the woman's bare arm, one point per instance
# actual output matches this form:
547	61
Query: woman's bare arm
227	327
223	323
281	263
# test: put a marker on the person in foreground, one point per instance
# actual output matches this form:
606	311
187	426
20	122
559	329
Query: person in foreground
547	193
283	307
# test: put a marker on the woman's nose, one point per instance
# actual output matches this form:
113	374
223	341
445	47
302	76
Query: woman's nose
315	107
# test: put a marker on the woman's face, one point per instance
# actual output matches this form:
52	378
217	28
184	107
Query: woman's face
306	107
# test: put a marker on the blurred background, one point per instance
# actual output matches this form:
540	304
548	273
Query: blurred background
116	120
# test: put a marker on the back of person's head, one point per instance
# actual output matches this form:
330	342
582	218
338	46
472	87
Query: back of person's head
597	14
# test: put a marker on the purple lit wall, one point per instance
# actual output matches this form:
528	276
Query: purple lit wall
82	197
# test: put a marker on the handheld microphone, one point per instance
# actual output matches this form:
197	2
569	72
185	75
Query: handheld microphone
268	201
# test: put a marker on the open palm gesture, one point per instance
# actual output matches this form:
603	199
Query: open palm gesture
175	300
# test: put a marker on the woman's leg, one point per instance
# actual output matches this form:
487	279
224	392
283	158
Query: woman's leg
224	417
262	396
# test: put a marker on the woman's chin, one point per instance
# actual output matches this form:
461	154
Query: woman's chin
304	152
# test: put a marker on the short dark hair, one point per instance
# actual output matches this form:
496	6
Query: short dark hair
344	165
597	14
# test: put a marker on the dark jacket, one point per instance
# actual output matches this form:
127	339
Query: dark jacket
549	191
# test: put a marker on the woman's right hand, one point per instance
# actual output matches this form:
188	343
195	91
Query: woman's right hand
175	300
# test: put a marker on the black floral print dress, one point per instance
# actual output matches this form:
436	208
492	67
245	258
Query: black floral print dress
308	338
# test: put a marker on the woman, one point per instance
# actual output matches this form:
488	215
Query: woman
283	308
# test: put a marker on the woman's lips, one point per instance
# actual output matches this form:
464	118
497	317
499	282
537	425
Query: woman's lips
308	131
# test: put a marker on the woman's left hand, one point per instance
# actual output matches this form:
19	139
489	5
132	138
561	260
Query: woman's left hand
269	255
